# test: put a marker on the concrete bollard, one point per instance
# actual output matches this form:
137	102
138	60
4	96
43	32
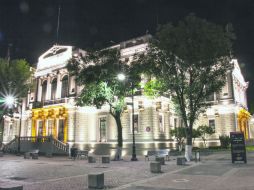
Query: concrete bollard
155	167
27	155
180	161
161	160
91	159
105	159
96	180
10	186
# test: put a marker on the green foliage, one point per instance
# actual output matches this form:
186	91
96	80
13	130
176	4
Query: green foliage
204	131
152	88
190	60
98	71
195	134
224	141
179	133
14	77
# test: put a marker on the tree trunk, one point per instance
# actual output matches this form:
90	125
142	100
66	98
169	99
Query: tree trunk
118	155
188	147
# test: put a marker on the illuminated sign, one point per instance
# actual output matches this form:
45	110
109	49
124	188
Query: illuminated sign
238	150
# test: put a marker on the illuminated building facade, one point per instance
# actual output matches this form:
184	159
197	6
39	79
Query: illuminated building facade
50	109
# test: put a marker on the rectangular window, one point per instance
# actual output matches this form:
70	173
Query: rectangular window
40	128
175	122
212	123
225	90
61	130
210	98
161	123
50	127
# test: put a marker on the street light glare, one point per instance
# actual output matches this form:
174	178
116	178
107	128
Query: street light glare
9	100
121	76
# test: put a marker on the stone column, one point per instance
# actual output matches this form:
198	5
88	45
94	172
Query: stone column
48	94
71	124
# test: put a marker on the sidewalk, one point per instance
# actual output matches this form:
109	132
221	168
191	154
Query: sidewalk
214	172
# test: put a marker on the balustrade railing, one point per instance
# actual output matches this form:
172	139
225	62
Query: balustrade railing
7	146
40	139
60	145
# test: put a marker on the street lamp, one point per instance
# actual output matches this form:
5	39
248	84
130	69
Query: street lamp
10	101
122	77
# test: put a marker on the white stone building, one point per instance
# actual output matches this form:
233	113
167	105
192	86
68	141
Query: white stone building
50	109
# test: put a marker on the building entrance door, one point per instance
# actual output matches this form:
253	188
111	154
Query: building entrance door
40	128
61	130
50	127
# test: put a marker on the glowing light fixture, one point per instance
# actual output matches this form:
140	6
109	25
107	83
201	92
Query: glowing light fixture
121	76
9	100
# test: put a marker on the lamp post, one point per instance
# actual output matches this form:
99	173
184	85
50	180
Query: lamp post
134	156
20	124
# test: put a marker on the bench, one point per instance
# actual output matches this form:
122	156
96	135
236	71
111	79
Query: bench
157	153
34	154
82	154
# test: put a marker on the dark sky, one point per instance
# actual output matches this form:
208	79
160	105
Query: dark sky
30	25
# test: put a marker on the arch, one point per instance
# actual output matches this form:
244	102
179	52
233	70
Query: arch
65	86
44	90
53	88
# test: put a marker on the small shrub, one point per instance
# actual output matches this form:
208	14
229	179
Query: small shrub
224	141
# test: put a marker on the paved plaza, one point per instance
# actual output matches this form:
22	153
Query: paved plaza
214	172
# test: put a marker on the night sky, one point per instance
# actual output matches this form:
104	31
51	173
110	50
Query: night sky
29	26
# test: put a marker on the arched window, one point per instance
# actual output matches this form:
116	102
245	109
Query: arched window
53	89
64	92
44	91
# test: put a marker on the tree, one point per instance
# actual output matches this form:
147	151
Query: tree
204	131
179	134
98	71
14	77
190	60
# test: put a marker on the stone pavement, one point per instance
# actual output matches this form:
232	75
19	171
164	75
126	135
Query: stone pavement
214	172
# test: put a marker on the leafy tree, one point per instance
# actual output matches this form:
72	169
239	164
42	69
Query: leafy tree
195	134
179	134
204	131
190	60
13	81
98	71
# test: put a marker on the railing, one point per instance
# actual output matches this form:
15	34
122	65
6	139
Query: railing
58	101
60	145
40	139
36	139
7	147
